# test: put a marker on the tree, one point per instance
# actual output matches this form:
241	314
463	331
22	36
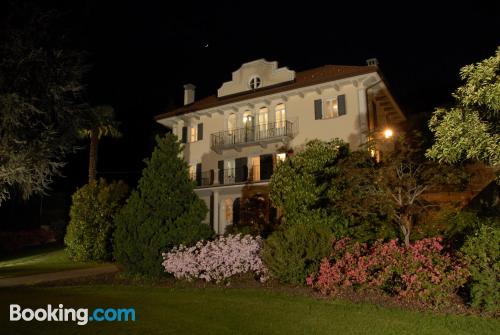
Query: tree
100	122
328	183
91	226
405	175
161	213
41	108
471	129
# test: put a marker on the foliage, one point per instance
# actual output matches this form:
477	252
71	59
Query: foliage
41	107
293	253
300	183
405	174
327	179
471	129
421	272
481	251
217	260
100	122
463	135
255	215
94	207
161	213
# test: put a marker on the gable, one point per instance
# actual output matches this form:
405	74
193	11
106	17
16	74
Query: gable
261	71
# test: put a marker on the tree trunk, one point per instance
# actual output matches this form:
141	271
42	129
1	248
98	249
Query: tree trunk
406	225
94	140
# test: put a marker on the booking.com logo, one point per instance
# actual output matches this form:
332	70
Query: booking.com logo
81	315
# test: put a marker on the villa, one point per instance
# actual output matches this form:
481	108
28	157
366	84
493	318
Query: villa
234	139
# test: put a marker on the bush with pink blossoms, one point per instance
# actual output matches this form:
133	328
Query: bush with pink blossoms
421	272
217	260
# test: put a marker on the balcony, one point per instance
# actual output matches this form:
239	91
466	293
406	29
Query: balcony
258	134
231	176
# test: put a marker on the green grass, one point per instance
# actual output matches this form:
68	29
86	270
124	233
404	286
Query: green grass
228	311
40	260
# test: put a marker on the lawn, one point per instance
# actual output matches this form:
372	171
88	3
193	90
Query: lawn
228	311
40	260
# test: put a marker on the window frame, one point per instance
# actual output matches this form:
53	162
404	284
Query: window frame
255	82
335	113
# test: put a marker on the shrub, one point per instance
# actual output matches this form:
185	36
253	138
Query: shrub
217	260
420	272
90	229
482	253
295	252
163	212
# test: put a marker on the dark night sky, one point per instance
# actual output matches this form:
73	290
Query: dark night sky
144	51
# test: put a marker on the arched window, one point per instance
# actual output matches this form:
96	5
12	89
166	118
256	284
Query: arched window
262	121
231	123
280	116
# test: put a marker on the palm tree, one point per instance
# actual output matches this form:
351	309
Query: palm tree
101	122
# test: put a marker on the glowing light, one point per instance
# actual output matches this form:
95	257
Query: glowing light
388	133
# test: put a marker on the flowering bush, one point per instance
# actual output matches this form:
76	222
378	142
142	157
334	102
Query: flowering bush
216	260
421	271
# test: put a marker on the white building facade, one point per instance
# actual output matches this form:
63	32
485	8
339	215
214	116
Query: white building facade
234	139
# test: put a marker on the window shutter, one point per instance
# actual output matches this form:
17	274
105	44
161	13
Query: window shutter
266	167
318	109
220	166
241	165
200	131
184	134
198	174
341	104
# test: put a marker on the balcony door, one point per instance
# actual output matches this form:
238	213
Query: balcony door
249	127
280	119
262	123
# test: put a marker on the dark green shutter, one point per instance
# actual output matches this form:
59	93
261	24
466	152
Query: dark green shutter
198	174
184	134
341	104
318	109
220	166
266	167
200	131
241	173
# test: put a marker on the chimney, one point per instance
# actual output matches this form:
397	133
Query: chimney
189	94
372	62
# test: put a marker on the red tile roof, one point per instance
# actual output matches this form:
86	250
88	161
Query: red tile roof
302	79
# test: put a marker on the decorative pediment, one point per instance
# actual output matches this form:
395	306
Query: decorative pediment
254	75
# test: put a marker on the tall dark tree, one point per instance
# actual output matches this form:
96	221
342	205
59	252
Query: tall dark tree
100	122
163	212
41	107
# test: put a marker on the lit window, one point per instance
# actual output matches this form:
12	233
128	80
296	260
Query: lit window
193	134
280	158
229	174
330	108
255	170
247	119
262	119
228	203
192	172
255	82
280	116
231	123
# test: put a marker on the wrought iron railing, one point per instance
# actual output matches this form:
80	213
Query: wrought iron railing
229	176
254	134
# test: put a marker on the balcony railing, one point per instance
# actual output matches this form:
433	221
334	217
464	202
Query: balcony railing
230	176
255	134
